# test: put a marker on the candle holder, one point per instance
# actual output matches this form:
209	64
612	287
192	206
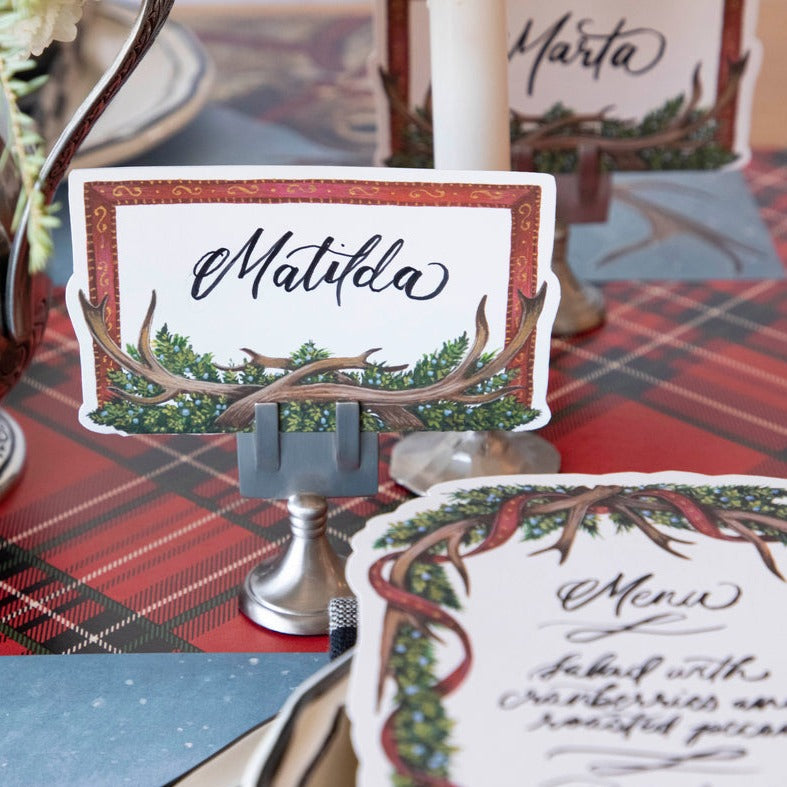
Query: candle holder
12	452
581	306
583	197
423	459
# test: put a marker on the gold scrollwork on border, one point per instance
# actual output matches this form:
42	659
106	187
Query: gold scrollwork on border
525	215
104	281
124	190
181	189
420	193
487	194
100	214
243	188
301	188
364	191
525	210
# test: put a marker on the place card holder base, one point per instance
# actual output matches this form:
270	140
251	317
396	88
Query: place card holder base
290	592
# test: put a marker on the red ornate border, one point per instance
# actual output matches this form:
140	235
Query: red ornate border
731	51
102	198
398	53
398	62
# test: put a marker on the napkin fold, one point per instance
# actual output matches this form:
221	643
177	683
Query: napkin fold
342	625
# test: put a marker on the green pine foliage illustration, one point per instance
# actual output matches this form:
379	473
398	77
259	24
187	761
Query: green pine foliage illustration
197	413
23	149
422	729
481	505
698	150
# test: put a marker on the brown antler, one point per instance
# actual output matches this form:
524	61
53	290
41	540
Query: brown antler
545	129
399	105
149	366
453	386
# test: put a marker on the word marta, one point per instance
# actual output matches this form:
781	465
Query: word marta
316	265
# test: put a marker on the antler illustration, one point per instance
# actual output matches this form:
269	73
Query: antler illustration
149	367
294	385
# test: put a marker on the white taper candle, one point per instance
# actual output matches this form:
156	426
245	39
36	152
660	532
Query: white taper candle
470	109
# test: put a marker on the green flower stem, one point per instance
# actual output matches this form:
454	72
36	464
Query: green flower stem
26	148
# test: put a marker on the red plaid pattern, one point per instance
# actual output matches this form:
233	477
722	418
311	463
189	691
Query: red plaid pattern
683	376
766	175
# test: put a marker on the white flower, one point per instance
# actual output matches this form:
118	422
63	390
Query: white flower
40	22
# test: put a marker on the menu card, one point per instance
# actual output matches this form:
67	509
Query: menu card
574	630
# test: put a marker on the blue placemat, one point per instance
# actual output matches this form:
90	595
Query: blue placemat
686	225
140	719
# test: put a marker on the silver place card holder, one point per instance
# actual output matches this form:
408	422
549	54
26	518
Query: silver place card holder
290	592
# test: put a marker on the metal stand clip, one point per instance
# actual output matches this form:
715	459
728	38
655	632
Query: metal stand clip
277	465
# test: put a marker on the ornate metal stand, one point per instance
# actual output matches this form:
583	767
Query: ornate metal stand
290	592
12	453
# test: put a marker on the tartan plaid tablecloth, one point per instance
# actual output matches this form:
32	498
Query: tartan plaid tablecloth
766	176
141	544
